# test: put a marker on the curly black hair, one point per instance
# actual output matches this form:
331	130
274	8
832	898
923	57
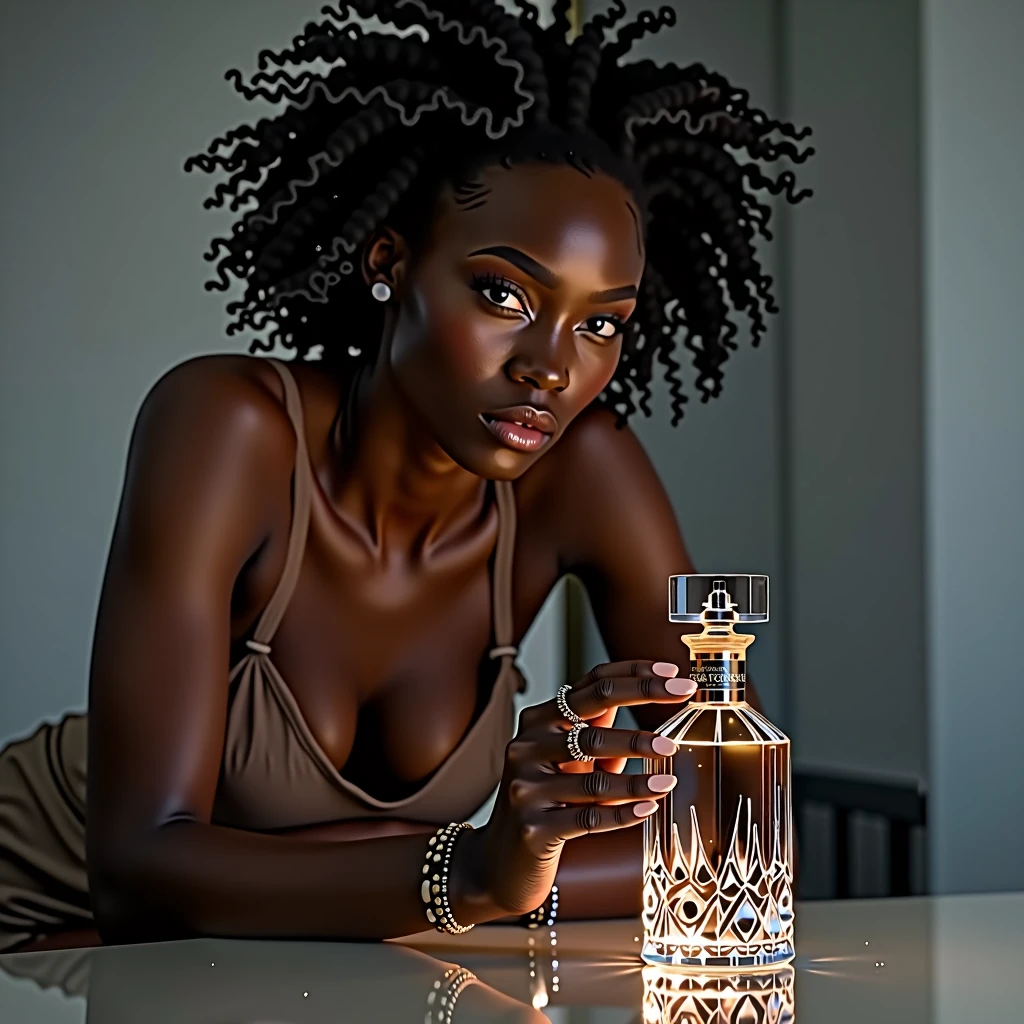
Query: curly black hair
463	83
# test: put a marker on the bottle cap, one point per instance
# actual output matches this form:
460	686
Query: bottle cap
747	594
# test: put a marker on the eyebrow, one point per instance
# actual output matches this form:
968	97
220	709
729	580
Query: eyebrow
548	278
615	294
527	264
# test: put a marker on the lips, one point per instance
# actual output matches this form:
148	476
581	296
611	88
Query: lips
521	427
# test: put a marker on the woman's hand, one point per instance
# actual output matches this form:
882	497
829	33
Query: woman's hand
606	719
512	861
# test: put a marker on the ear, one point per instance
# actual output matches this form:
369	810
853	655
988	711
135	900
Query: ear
385	258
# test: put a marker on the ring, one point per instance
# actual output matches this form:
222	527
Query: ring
563	704
573	742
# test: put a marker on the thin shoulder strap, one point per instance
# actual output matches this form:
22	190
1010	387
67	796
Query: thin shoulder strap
501	600
301	502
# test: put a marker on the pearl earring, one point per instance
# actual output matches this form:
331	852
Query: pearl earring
381	291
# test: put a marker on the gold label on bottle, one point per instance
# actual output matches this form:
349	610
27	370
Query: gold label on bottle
718	672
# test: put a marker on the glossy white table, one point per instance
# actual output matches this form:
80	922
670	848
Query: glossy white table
953	959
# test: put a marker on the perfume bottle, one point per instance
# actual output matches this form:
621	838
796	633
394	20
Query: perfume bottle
718	852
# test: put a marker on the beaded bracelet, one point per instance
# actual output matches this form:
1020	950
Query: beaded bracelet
434	888
545	914
441	1003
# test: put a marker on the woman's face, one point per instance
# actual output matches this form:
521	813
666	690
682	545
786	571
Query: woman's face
515	299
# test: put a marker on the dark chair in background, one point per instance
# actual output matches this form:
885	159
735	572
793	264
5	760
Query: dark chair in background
902	807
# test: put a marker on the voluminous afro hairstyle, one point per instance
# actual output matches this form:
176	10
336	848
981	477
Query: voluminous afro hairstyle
388	118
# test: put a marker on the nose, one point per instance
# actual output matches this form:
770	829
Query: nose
542	366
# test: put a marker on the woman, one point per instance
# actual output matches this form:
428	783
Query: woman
303	665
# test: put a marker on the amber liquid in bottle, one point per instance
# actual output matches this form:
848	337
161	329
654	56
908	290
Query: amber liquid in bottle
718	855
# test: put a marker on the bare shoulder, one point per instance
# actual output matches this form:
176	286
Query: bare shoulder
596	484
241	387
593	460
233	402
209	463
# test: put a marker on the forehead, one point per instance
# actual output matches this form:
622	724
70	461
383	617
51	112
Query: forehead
556	214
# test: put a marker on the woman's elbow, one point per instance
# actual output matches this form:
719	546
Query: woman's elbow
130	903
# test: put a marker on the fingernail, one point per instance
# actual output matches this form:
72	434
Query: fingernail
682	687
643	809
665	668
661	783
663	746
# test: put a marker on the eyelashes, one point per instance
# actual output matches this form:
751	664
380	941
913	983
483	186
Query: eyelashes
507	297
501	289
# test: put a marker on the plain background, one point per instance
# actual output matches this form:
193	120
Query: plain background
872	443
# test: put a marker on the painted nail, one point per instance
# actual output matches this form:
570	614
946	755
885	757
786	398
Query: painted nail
661	783
681	687
664	746
641	810
665	668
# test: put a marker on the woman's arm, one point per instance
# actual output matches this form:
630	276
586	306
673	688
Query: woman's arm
211	454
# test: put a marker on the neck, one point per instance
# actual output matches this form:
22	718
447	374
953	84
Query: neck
390	477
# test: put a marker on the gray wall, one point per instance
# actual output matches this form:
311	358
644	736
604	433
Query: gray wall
101	291
854	438
974	359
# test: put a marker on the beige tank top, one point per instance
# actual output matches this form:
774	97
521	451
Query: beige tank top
274	773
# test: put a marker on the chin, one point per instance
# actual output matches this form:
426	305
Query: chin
489	459
477	451
489	463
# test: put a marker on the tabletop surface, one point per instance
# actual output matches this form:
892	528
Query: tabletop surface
916	961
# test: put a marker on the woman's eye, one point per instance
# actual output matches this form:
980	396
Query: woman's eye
502	296
603	326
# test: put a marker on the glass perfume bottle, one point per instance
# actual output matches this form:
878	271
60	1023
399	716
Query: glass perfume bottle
718	852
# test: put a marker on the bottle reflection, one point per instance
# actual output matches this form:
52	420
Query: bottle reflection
672	996
539	997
